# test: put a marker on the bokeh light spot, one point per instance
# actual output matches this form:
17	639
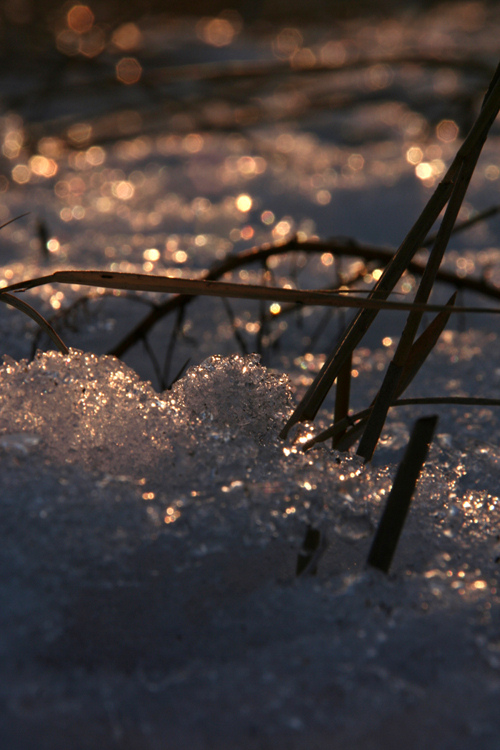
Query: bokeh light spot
123	190
53	245
323	197
247	233
414	155
13	143
95	156
243	203
180	256
287	43
80	19
128	70
356	162
282	228
267	217
423	170
42	166
447	131
21	174
219	32
193	143
127	37
80	133
151	254
492	172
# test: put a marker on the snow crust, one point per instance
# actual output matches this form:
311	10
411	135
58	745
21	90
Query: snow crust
151	542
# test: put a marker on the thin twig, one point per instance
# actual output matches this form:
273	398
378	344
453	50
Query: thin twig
169	353
337	247
154	362
236	333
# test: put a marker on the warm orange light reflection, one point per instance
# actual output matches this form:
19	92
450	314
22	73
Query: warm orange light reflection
267	217
80	133
193	143
128	70
247	233
447	131
21	174
53	245
219	32
287	43
13	143
95	156
127	37
323	197
282	228
414	155
80	19
42	166
151	254
243	203
423	170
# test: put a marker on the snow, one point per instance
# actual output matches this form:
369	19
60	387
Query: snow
149	551
149	537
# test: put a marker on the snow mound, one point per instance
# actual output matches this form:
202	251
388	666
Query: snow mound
96	411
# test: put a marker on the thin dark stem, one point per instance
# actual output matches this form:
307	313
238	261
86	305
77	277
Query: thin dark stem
169	353
398	503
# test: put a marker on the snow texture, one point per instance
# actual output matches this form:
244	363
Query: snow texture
149	552
149	537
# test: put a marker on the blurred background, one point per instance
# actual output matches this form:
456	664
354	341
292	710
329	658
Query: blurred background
160	137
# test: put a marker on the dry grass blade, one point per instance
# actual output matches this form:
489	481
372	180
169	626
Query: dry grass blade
308	407
13	301
390	385
342	395
399	375
164	284
422	347
403	376
398	503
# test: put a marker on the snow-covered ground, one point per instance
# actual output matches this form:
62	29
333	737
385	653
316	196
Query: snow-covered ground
150	537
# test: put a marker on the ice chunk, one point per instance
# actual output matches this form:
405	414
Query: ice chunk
96	410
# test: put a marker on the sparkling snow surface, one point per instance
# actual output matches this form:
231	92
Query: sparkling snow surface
149	537
150	543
